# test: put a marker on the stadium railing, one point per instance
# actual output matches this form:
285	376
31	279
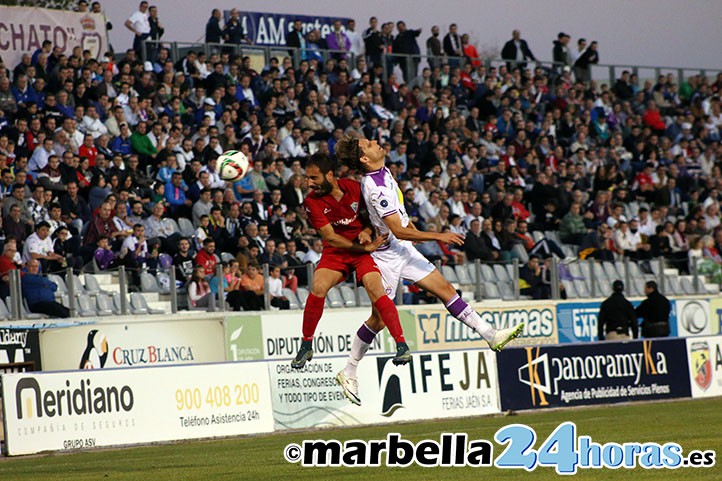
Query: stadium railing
261	56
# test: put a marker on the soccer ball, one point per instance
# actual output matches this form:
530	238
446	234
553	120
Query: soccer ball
232	165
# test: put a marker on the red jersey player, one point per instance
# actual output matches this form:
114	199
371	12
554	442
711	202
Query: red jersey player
333	207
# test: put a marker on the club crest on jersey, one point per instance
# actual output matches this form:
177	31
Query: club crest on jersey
354	206
384	203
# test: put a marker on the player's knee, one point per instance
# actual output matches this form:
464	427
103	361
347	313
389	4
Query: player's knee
320	289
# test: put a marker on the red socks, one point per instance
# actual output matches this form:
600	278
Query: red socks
390	316
312	314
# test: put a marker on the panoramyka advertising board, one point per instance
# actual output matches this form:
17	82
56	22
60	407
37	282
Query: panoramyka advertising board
19	350
437	329
594	373
578	320
705	365
334	334
85	409
134	343
433	385
693	318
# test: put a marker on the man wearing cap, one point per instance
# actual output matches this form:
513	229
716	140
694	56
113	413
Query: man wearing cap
617	316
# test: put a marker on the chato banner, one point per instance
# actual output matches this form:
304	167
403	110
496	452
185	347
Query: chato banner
705	366
593	373
437	329
87	409
24	29
265	28
433	385
110	344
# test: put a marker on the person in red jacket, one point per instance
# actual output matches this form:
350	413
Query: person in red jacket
653	119
207	258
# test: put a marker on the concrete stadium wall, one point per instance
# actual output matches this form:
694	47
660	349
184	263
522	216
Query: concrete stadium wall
643	32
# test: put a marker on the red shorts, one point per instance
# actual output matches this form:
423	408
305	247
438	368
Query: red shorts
345	262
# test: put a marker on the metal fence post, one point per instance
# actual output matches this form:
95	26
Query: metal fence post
356	292
70	282
219	282
662	277
309	275
15	294
695	274
266	294
173	292
554	279
592	278
123	282
515	278
477	279
627	275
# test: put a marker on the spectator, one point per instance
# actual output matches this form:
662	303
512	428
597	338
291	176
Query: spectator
139	24
39	246
530	278
214	33
452	46
654	311
616	316
561	54
199	292
275	289
39	293
516	51
252	285
207	257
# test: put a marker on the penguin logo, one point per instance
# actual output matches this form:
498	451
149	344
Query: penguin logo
96	351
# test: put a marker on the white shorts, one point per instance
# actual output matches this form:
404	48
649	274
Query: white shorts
401	261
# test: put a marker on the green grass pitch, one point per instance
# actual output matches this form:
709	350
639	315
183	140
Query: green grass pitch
695	424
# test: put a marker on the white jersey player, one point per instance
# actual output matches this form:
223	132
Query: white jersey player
399	259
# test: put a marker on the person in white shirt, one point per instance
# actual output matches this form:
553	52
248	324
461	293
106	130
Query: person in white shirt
313	255
135	245
92	123
398	259
139	24
357	42
40	156
291	146
184	154
39	246
275	289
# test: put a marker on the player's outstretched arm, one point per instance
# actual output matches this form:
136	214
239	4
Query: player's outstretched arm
334	240
411	233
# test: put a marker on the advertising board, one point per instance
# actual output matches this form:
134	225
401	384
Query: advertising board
433	385
594	373
85	409
437	329
19	350
705	366
135	343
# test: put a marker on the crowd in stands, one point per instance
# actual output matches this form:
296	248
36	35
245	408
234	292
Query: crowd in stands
101	159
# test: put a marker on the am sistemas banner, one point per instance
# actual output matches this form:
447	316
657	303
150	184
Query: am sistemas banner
265	28
599	373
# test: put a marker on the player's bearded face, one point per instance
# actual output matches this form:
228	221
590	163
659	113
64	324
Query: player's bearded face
325	187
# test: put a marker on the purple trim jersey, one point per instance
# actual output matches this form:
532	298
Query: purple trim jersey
383	198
